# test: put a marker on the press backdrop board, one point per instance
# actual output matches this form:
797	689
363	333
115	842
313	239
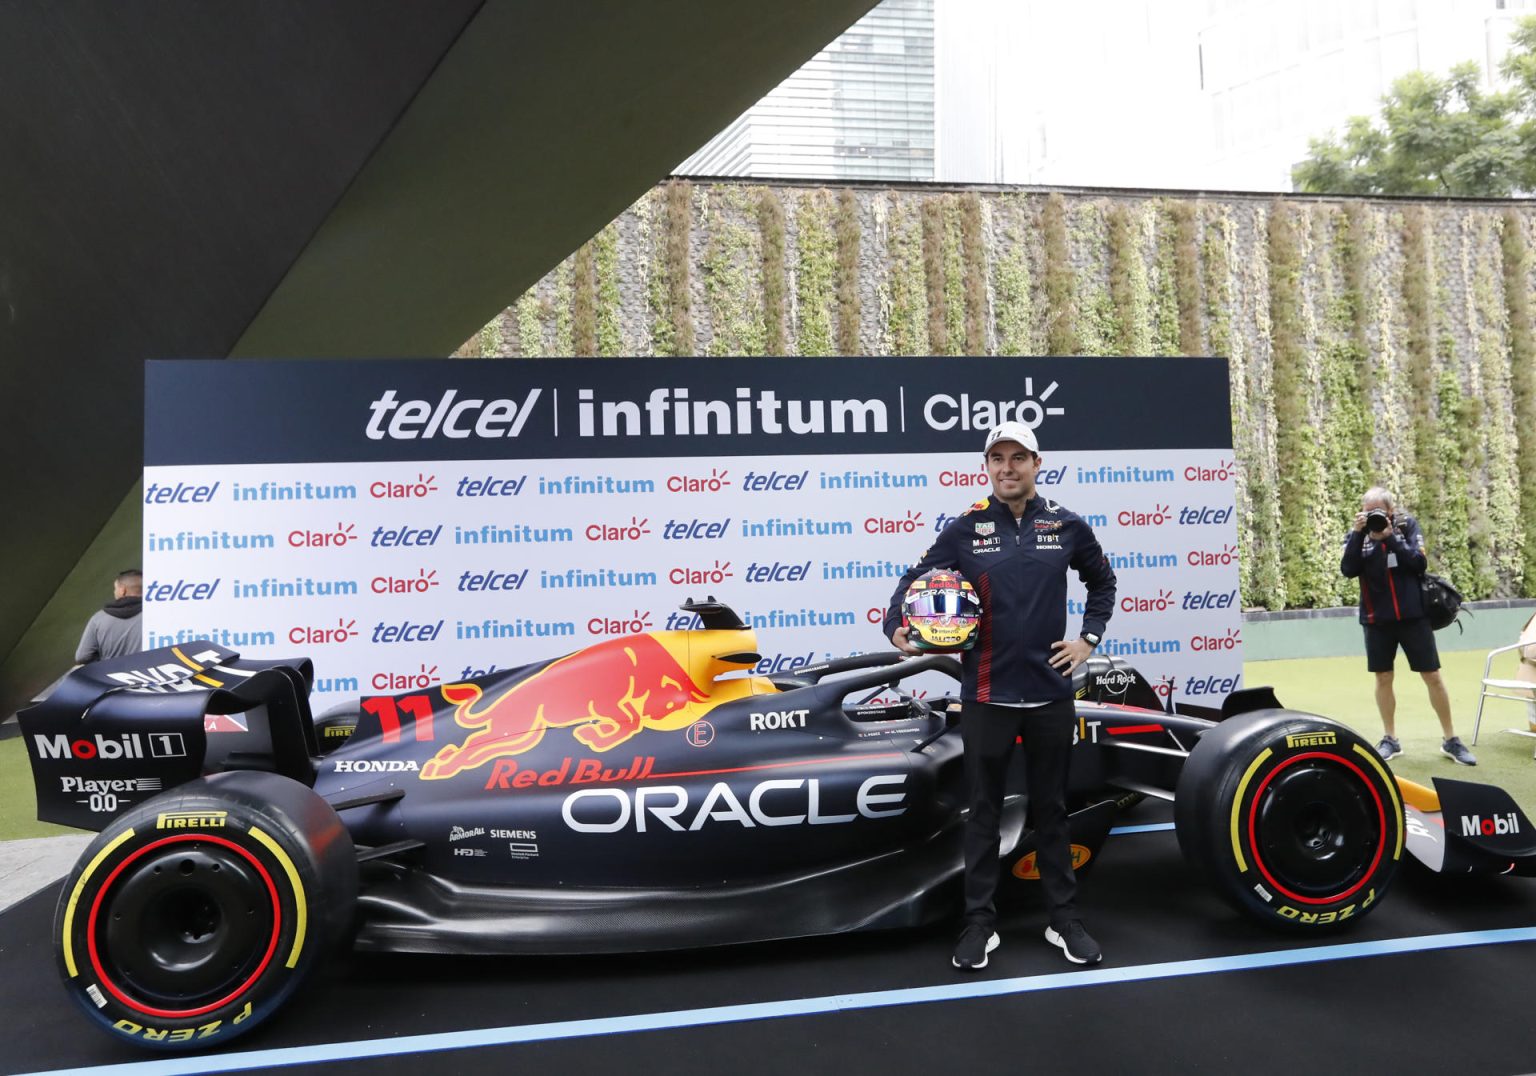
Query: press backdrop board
406	523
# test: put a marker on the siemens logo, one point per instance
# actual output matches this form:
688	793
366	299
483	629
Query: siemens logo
292	491
1116	476
410	420
516	534
599	486
301	587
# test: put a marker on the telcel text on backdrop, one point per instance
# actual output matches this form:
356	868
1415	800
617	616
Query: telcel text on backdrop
409	523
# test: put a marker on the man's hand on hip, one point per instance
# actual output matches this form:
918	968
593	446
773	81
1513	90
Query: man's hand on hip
1070	653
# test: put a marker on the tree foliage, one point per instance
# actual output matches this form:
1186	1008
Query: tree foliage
1438	135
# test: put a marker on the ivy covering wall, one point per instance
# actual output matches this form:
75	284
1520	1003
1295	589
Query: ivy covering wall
1381	342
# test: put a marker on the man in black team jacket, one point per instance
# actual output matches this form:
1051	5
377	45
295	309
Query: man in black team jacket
1386	553
1015	548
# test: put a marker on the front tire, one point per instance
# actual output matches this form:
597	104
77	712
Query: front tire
1294	818
192	917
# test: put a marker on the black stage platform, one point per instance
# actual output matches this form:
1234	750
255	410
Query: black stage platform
1439	979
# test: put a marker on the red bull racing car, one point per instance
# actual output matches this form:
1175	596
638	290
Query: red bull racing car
645	793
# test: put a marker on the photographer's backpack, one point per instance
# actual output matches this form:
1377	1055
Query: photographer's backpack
1442	602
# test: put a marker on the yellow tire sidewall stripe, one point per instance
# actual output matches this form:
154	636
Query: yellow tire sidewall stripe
67	933
301	905
1237	808
1374	759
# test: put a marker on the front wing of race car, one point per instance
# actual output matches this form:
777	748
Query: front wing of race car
1460	827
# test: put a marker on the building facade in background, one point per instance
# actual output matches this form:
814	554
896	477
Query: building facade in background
861	109
1185	94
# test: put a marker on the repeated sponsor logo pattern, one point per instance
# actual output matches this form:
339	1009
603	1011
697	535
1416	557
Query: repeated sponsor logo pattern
394	575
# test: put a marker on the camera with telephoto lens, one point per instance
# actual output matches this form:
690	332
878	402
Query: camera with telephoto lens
1376	521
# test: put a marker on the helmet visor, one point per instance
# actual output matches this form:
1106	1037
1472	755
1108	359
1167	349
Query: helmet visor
940	603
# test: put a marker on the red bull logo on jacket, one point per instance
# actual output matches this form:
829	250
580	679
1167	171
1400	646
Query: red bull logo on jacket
609	691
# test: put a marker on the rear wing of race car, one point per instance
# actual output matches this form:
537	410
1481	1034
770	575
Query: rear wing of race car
116	732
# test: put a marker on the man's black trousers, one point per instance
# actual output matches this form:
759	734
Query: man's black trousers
989	733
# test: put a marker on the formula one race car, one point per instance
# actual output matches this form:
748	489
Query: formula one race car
645	793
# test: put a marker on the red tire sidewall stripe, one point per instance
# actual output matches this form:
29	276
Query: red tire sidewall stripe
1253	845
91	920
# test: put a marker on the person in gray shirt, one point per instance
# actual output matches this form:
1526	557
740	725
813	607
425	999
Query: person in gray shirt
115	631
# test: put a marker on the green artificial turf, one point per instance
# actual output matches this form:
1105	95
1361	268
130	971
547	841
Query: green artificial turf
1339	688
1342	689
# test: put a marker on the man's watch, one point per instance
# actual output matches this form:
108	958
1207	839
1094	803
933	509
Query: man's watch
1090	638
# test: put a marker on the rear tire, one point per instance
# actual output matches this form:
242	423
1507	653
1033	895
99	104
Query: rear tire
192	917
1294	819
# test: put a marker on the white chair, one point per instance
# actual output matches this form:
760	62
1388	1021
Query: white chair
1494	688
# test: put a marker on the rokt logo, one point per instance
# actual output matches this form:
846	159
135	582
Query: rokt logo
424	486
713	482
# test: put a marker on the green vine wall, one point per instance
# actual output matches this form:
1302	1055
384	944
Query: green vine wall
1368	342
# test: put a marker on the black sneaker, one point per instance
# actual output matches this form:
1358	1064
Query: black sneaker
1076	943
976	941
1457	751
1389	748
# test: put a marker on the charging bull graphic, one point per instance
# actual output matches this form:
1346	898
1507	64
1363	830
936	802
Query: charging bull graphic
611	690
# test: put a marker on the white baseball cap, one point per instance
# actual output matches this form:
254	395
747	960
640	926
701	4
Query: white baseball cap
1012	431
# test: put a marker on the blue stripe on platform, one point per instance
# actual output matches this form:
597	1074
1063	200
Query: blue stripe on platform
768	1010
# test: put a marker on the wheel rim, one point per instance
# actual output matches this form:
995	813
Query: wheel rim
184	926
1316	828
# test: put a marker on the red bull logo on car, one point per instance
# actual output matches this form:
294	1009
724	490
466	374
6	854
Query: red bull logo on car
610	692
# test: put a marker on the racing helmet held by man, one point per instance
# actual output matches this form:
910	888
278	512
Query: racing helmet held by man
941	612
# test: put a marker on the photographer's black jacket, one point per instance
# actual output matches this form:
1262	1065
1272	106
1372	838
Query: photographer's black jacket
1019	570
1388	570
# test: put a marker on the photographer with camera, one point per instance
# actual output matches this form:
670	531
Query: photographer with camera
1385	551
